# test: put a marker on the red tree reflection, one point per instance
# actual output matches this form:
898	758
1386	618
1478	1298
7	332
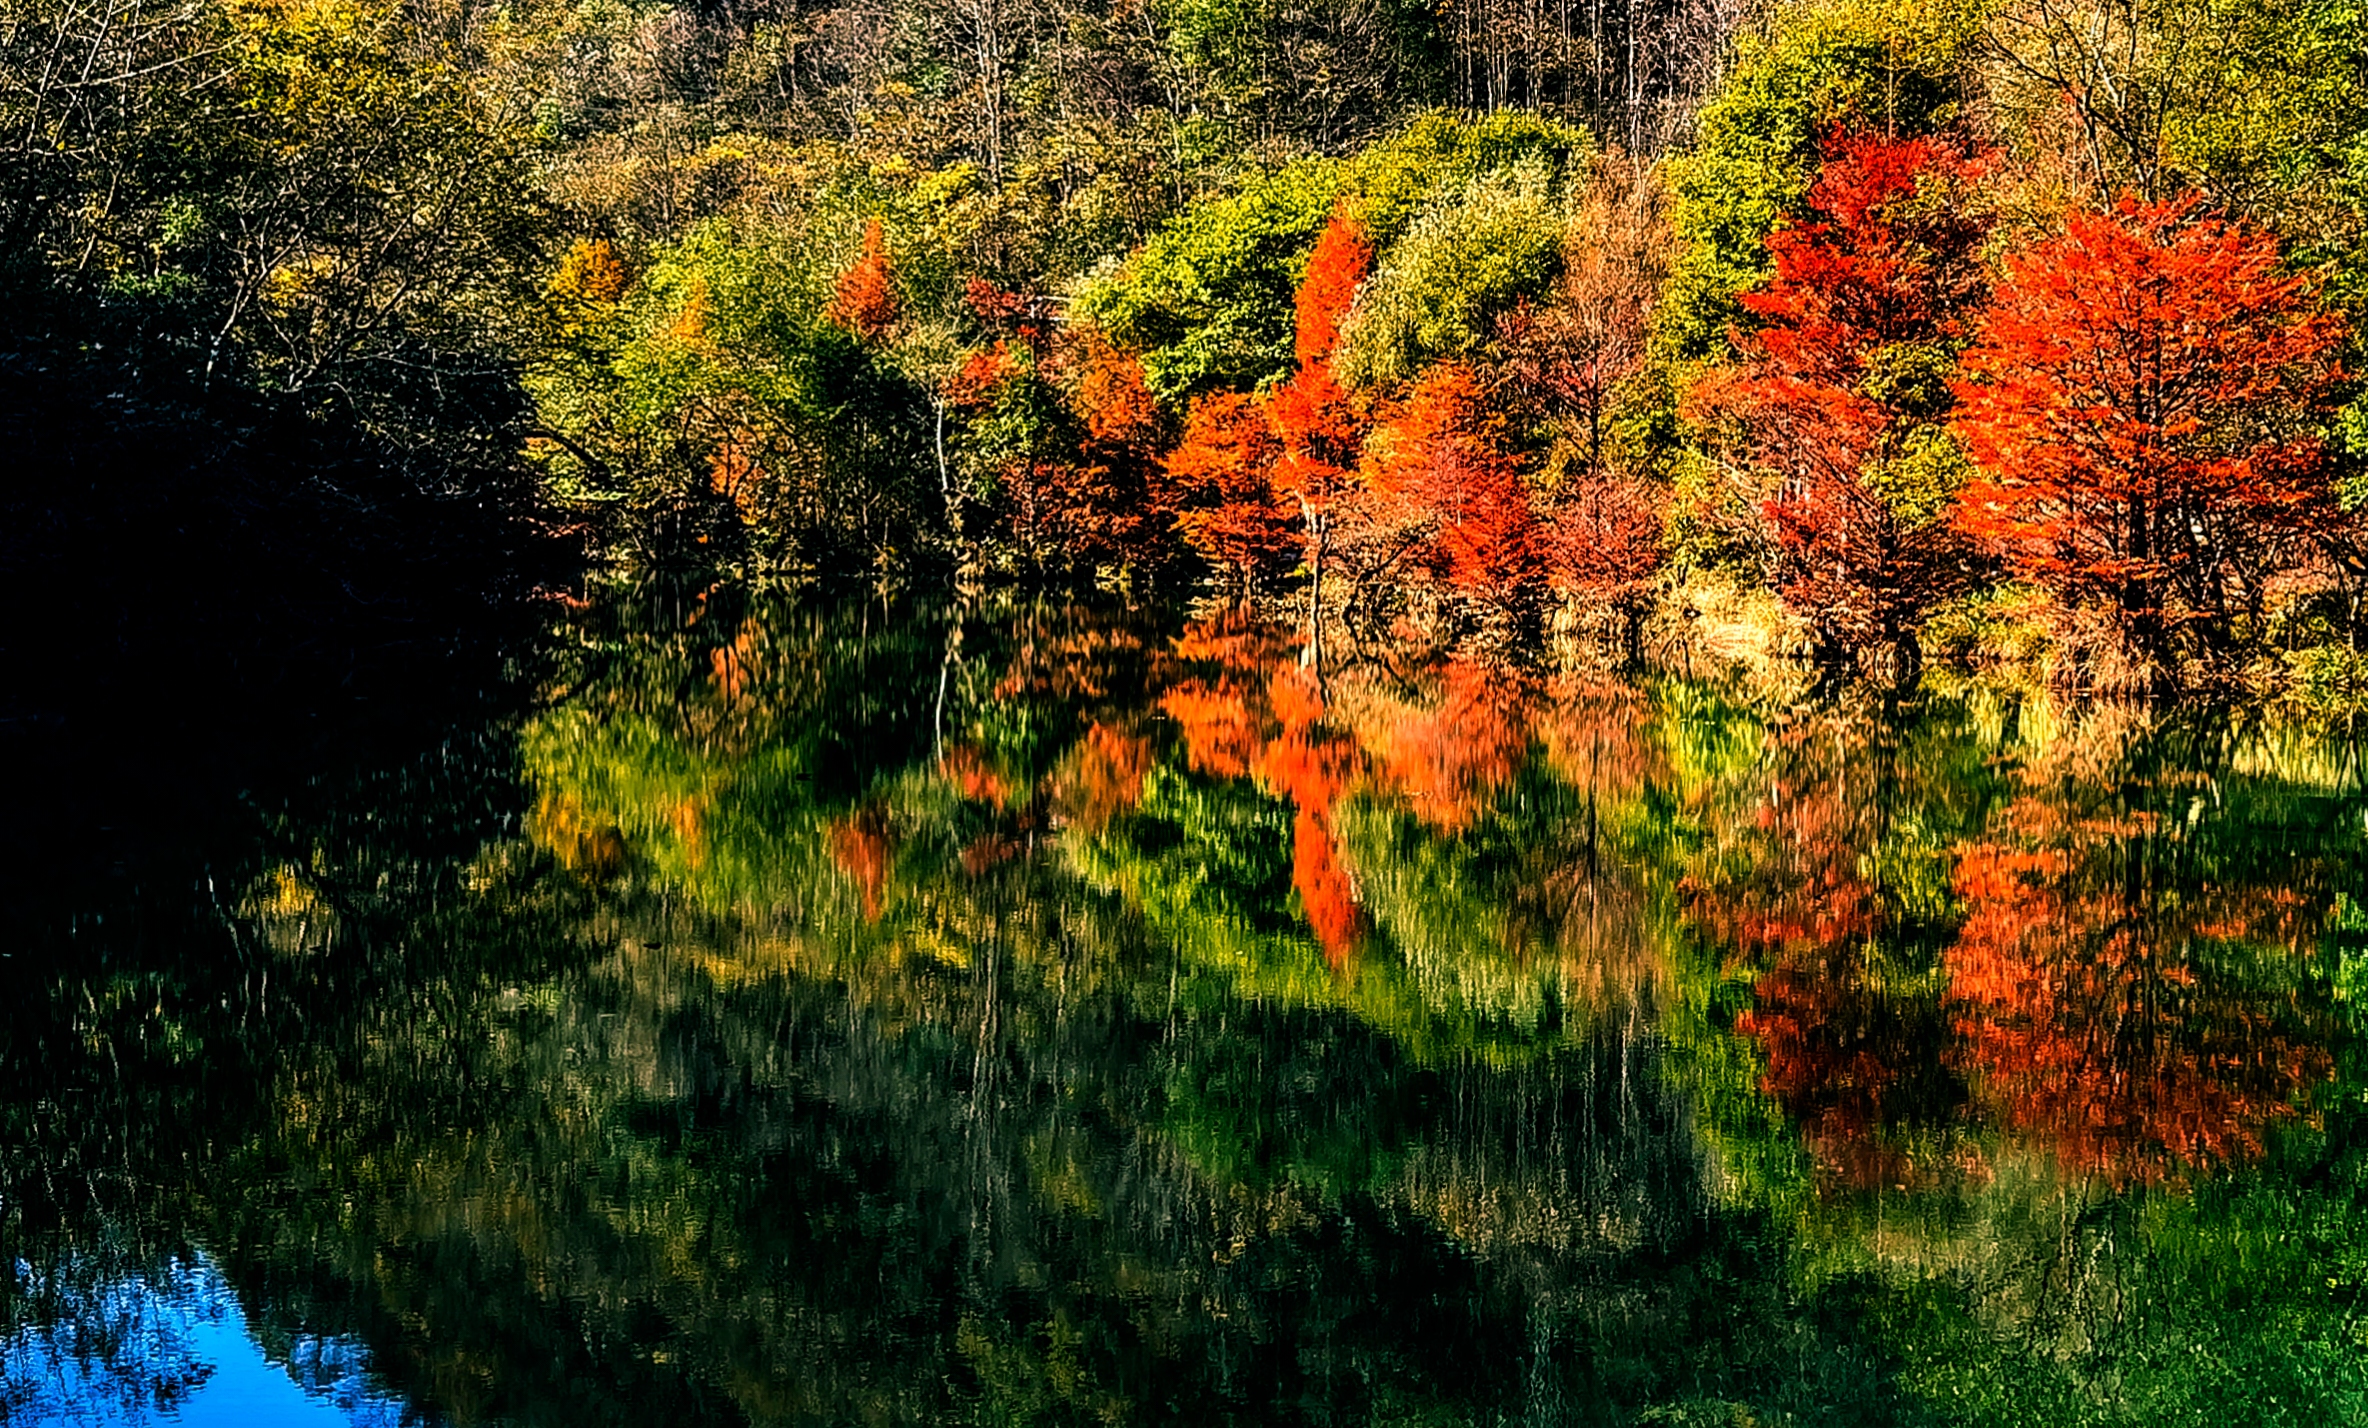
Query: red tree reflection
1105	776
861	846
1310	765
1451	758
1855	1048
2102	991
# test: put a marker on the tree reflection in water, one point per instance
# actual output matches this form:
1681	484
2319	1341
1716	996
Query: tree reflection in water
830	1014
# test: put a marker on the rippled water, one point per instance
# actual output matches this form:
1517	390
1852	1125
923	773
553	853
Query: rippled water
806	1014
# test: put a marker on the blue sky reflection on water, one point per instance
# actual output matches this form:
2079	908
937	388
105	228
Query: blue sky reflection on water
178	1351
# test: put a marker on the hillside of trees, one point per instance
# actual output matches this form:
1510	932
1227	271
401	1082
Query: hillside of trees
2008	333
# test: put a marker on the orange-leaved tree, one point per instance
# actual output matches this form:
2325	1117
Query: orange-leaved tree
1845	390
1604	542
1110	503
590	273
1565	360
1065	433
1234	488
1336	268
863	299
1218	477
2142	405
1439	460
1564	365
1318	421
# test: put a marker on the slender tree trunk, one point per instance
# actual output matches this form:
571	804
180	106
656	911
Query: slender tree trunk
1319	535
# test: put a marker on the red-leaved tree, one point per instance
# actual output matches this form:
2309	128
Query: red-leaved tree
863	300
2142	406
1319	422
1107	503
1066	426
1438	461
1845	389
1565	360
1233	487
1218	478
1562	364
1336	268
1604	543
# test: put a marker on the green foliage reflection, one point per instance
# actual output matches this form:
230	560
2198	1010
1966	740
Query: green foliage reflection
911	1015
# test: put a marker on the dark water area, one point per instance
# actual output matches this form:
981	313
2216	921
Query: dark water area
746	1011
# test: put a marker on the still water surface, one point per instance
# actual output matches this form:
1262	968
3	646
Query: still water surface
798	1014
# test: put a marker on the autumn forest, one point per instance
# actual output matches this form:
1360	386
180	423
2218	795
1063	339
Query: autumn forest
1363	713
2017	336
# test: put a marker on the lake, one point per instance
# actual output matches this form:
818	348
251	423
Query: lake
778	1012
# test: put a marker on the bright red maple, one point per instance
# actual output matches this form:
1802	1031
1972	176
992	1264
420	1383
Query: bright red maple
2141	405
1317	427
